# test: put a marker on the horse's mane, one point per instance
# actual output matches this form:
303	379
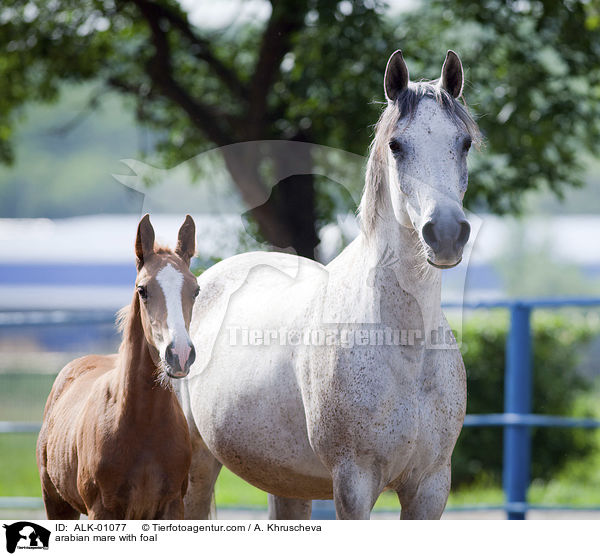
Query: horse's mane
405	106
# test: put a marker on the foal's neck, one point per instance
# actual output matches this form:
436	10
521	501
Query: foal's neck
138	385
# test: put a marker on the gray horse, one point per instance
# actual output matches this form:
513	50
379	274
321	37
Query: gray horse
315	382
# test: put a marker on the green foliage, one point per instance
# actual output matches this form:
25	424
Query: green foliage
532	76
312	72
58	173
558	342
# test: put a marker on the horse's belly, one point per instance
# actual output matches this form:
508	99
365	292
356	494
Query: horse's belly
252	419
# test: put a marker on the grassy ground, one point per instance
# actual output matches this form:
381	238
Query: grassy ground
22	398
577	485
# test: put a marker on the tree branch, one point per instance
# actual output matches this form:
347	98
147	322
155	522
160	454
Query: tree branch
161	72
201	47
286	18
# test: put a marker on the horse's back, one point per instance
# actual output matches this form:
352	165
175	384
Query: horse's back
77	375
243	287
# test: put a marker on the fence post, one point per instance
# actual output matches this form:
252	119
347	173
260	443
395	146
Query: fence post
517	400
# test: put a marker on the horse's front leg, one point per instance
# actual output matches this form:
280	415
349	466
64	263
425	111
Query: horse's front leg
289	508
355	490
426	499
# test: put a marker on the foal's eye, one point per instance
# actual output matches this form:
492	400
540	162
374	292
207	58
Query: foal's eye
395	147
196	291
143	292
467	144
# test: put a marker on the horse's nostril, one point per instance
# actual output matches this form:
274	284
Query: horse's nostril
169	354
429	235
192	357
463	235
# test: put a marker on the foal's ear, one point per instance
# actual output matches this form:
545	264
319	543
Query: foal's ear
186	241
396	76
144	241
452	78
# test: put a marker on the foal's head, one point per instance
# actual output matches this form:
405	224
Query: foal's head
420	152
167	289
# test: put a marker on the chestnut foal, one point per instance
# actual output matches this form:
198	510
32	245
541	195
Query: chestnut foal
114	442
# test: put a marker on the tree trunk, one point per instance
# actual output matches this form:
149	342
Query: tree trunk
284	210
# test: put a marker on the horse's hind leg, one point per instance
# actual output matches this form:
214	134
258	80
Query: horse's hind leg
56	506
204	470
427	499
289	508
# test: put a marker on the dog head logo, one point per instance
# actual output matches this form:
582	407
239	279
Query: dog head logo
24	534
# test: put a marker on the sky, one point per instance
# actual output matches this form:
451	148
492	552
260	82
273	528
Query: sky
213	15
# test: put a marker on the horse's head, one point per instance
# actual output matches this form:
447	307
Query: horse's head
167	289
424	137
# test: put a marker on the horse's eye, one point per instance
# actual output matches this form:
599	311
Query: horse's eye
395	147
467	144
197	291
143	292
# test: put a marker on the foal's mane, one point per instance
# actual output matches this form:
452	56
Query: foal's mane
405	106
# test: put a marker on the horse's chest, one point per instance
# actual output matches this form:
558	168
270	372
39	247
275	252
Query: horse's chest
388	407
365	406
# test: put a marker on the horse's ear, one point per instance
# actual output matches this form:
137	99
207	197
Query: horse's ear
452	78
396	76
186	241
144	241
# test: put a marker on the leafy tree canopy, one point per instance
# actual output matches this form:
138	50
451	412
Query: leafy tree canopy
313	72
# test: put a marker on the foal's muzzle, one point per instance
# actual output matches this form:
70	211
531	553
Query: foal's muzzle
174	367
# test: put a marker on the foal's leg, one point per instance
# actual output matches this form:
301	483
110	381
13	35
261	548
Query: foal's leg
56	506
288	508
355	491
172	510
204	471
427	499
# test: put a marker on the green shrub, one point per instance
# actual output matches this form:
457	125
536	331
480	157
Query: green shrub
559	340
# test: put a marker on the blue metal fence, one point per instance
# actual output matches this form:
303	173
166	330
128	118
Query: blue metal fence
516	420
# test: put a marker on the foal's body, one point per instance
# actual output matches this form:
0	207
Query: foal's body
114	442
119	447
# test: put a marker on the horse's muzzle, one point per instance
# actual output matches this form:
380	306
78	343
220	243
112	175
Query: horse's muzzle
173	366
445	234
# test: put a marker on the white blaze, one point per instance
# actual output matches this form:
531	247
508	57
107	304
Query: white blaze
171	282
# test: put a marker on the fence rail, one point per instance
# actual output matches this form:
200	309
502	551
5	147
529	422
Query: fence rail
516	420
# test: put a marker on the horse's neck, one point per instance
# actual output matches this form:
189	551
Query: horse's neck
392	248
139	393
